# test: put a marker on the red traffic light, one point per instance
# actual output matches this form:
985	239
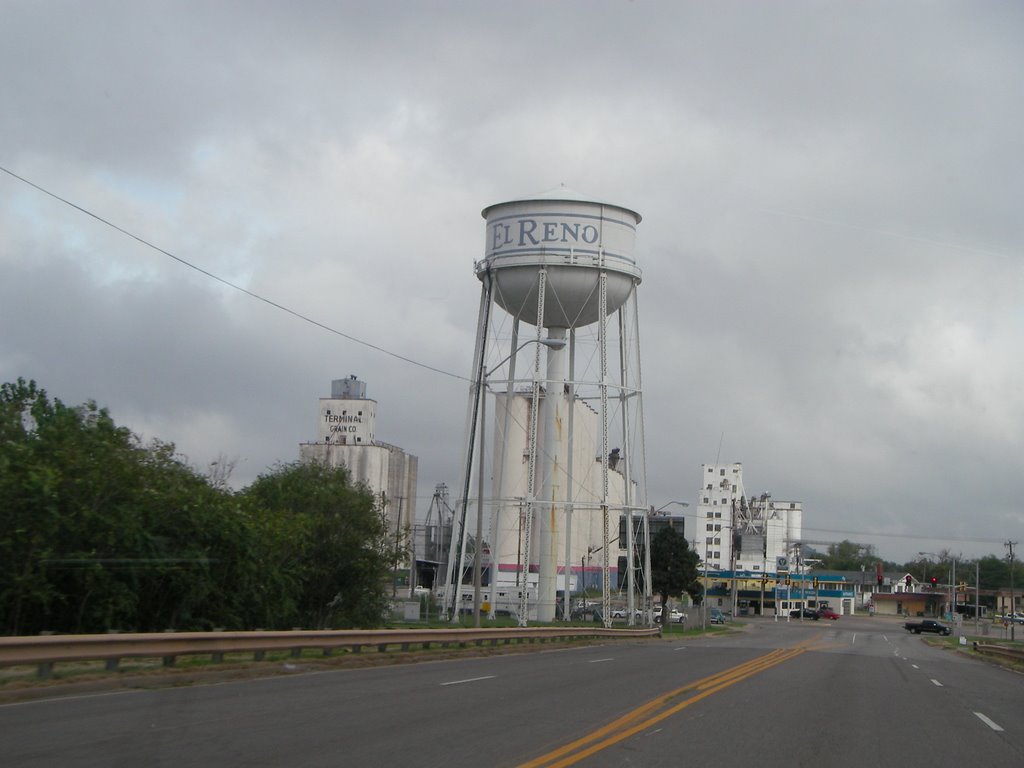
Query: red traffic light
934	581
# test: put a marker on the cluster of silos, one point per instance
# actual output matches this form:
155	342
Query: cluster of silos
555	410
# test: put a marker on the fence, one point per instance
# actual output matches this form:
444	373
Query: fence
47	650
1016	654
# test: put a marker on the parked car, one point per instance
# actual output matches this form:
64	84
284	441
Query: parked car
827	613
622	613
807	613
716	616
677	616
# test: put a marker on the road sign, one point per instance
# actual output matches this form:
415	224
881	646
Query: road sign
781	563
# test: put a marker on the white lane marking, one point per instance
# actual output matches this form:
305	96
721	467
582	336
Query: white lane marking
915	666
854	641
70	698
468	680
598	661
680	648
936	682
988	722
885	638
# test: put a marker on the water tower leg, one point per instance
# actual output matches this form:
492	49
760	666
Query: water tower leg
555	421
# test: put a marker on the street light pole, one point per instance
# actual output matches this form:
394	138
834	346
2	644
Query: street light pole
481	394
1013	601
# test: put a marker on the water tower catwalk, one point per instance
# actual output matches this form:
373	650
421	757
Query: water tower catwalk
558	355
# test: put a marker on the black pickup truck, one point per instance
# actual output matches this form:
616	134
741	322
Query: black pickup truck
928	625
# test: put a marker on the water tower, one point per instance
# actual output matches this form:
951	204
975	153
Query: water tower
558	288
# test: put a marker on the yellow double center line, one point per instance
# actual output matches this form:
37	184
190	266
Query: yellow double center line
663	706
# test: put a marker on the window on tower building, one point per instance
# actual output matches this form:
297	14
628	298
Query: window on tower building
723	472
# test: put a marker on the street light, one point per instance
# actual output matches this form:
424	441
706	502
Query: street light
481	402
680	503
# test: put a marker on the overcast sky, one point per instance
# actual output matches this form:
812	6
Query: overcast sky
831	241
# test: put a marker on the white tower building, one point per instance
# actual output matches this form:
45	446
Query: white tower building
739	534
346	436
558	272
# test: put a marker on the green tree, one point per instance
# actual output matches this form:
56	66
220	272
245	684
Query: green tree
994	572
98	531
673	566
849	556
327	542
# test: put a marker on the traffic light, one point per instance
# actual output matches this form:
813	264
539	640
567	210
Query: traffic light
909	579
935	582
814	582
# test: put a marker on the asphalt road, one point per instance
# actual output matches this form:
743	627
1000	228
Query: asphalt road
855	692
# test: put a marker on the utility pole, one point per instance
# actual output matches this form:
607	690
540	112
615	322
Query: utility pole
952	592
1013	602
977	593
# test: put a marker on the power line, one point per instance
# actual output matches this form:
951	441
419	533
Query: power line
228	283
889	535
875	534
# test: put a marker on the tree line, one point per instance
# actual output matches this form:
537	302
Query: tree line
993	571
99	532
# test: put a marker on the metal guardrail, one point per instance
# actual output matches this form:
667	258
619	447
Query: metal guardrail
47	650
999	650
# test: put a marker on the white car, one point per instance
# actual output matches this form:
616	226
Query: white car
676	616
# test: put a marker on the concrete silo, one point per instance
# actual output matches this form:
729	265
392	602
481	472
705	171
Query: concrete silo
558	293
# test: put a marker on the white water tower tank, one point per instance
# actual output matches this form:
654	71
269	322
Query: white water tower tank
574	238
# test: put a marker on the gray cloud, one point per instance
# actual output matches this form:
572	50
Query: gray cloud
830	239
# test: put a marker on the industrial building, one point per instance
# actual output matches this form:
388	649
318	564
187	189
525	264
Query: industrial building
740	534
346	436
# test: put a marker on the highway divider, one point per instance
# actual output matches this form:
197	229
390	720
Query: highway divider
45	651
1016	654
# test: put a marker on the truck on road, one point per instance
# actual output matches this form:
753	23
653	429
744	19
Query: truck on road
927	625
